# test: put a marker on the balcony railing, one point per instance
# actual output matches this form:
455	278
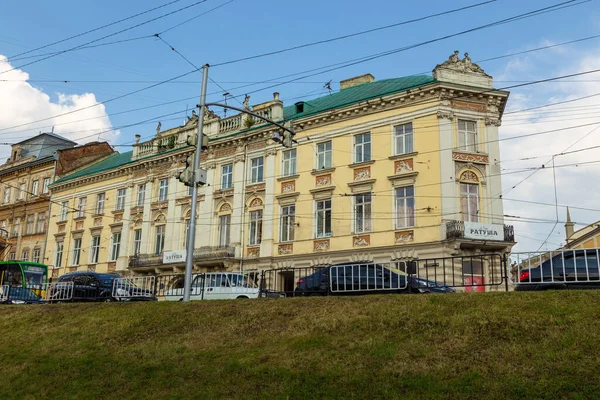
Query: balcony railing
205	253
456	230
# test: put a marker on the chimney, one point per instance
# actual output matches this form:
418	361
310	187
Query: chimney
569	226
357	80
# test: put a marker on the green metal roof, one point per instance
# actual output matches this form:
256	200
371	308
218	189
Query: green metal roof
113	161
356	94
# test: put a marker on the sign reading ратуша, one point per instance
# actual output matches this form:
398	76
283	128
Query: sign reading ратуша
479	231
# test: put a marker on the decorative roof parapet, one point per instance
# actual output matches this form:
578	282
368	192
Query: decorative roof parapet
463	72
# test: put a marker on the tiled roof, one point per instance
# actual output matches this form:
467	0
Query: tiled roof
114	161
356	94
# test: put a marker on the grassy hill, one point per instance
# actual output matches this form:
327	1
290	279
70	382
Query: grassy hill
477	346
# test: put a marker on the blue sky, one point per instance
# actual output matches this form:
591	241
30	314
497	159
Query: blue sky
244	28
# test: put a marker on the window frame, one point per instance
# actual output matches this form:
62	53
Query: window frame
95	249
60	246
224	238
81	204
408	218
34	187
41	219
363	148
287	230
36	255
363	208
323	217
465	199
76	252
256	226
288	161
45	186
257	171
100	200
22	189
6	197
25	255
121	196
404	137
30	224
226	177
159	239
463	135
137	241
115	245
163	189
141	195
325	154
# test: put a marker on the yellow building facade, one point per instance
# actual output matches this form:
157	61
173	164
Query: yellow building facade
391	170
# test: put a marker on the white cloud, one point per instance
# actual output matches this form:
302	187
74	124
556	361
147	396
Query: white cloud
22	103
575	185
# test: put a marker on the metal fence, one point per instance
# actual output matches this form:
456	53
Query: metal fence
281	282
4	292
133	287
472	273
575	268
59	292
209	286
366	278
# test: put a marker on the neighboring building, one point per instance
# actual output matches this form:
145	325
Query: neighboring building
25	195
585	238
388	170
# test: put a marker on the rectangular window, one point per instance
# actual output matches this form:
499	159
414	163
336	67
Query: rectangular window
95	250
224	226
16	227
227	176
289	162
324	155
404	139
100	199
64	211
141	195
6	195
467	135
21	191
469	202
36	255
159	244
76	251
116	245
30	224
41	223
288	223
163	189
255	227
362	213
362	147
59	254
257	170
405	207
121	199
81	207
45	186
186	229
25	255
34	187
13	256
323	218
137	241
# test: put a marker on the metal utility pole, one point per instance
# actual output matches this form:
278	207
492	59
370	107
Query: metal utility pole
189	262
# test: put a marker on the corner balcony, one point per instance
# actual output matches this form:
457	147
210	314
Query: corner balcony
475	234
207	255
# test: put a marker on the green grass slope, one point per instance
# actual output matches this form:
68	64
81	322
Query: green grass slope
463	346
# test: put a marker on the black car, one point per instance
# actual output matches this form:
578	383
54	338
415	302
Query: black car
352	278
419	285
20	295
93	286
572	269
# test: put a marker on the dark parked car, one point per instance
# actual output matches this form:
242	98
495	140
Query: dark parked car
93	286
352	278
419	285
571	269
21	295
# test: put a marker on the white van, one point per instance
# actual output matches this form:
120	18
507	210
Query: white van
217	286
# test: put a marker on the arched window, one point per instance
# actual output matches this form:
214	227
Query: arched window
255	222
224	225
186	227
469	196
160	233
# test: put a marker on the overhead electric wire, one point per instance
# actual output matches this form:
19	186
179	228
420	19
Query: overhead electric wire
95	29
364	59
106	36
